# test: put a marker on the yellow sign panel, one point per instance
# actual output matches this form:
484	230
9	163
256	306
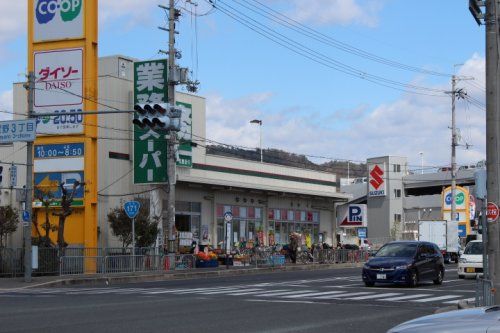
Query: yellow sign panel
462	206
62	54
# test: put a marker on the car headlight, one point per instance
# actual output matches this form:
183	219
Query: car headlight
401	267
365	266
462	260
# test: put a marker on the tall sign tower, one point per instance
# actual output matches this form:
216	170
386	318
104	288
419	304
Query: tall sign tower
62	54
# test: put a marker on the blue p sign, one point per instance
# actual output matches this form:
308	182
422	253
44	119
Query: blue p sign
132	208
355	214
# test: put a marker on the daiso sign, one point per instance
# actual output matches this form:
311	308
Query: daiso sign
58	19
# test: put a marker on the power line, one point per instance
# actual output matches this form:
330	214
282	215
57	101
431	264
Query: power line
320	58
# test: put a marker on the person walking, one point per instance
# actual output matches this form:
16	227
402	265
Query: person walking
294	244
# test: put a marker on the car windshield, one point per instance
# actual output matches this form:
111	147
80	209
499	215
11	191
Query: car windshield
398	250
474	248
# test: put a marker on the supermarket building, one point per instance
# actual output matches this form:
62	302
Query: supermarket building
267	201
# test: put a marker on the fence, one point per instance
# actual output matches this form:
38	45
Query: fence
77	261
484	293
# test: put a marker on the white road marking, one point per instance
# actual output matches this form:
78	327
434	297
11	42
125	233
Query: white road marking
373	296
432	299
284	293
402	298
315	294
458	300
342	295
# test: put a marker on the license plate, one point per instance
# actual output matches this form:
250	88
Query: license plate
470	270
381	277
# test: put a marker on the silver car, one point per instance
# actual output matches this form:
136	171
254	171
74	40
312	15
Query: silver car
477	320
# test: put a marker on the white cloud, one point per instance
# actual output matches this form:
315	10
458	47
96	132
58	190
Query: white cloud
13	21
344	12
6	104
137	12
405	127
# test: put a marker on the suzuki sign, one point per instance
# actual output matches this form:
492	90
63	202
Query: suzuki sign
376	181
57	19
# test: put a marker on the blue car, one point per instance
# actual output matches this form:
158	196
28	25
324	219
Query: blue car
405	262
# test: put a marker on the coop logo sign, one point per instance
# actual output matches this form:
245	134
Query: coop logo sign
58	19
47	10
376	182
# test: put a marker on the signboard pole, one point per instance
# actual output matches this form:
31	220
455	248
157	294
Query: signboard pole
29	185
133	244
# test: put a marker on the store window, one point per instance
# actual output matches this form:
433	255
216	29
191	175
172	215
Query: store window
188	218
247	225
282	222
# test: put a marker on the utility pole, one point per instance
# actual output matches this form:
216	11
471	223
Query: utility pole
172	136
29	184
453	216
492	139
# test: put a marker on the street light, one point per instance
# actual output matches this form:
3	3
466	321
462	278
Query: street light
258	121
421	163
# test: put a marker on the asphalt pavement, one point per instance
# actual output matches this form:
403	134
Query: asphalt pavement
333	300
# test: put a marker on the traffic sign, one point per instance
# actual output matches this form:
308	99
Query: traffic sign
26	216
18	131
492	212
228	216
132	208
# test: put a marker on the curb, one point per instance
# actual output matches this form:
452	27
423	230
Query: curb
96	280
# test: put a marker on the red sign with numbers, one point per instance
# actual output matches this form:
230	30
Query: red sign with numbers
492	212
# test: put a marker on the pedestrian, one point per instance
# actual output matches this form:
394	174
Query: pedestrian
294	244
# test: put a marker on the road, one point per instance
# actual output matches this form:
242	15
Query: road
305	301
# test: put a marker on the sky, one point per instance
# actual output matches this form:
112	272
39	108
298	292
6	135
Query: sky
331	79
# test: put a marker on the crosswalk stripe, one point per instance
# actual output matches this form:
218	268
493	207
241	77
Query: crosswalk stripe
343	295
402	298
315	294
439	298
221	291
284	293
458	300
372	296
246	292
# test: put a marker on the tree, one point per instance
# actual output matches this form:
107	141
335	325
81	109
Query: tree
9	219
46	196
66	210
121	226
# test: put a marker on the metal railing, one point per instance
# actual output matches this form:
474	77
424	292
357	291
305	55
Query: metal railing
84	261
484	293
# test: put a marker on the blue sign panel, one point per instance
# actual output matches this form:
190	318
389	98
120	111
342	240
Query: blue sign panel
49	183
17	131
462	230
60	150
362	232
26	216
132	208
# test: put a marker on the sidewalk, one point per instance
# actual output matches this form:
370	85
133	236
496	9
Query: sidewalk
10	284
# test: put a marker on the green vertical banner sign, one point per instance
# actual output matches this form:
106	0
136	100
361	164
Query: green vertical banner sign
185	150
150	146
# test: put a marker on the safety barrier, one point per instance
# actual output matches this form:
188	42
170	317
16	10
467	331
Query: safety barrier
484	293
72	265
78	261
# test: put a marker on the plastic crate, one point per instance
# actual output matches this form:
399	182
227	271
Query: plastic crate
206	263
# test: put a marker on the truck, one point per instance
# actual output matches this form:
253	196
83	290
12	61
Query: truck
442	233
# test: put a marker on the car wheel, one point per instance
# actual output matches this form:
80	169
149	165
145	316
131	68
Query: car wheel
439	278
413	281
461	276
369	284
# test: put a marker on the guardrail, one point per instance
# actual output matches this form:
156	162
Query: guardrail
78	261
484	293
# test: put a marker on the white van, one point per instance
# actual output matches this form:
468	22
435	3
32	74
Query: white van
470	263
